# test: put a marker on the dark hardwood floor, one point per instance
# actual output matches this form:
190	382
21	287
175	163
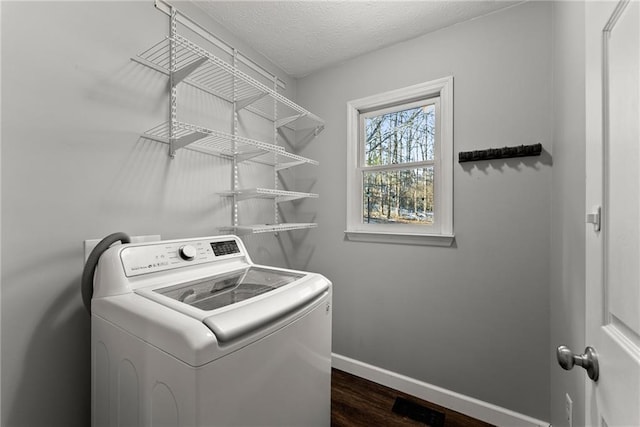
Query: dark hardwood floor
356	402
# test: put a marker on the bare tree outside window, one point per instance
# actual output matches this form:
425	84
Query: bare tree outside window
395	190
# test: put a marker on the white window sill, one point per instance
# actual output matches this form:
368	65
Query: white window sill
401	238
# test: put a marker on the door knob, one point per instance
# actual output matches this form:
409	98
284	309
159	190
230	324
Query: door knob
589	360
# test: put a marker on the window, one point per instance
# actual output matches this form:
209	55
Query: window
400	165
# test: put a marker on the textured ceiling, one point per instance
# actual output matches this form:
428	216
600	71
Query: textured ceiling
307	35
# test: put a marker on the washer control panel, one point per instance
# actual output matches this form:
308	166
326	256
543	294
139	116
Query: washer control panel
160	256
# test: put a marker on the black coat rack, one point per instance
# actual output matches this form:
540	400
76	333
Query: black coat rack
500	153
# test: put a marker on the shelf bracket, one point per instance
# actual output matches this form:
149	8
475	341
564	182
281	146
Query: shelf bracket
182	73
177	143
243	103
304	140
286	120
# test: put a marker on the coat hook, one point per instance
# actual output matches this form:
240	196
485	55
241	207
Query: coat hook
500	153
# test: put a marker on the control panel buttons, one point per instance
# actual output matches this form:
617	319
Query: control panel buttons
226	247
187	252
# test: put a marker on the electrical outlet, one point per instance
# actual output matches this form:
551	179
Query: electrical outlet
90	244
568	407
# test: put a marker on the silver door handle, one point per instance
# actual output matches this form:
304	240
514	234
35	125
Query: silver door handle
589	360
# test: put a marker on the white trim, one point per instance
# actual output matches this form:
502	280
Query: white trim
401	233
469	406
401	238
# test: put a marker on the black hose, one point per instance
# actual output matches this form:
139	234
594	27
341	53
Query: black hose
92	262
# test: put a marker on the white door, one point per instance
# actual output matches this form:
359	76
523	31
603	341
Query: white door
613	184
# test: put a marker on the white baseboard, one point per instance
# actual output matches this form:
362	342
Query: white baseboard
474	408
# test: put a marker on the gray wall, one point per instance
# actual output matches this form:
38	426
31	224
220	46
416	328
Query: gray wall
74	167
473	318
568	201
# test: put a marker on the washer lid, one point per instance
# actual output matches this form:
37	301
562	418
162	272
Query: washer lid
237	303
222	290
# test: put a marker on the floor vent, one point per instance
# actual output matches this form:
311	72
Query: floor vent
418	412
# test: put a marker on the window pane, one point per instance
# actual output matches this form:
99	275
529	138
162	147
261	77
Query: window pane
398	197
400	137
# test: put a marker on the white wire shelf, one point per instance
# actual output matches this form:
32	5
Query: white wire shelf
285	160
268	193
218	142
208	72
183	61
266	228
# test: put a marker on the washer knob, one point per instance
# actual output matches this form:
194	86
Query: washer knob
187	252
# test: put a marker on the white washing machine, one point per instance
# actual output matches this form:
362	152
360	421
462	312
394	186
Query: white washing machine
192	333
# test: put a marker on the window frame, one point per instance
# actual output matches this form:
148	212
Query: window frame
441	232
